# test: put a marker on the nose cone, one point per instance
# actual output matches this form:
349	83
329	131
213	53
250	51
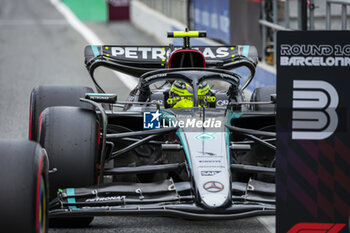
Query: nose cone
210	166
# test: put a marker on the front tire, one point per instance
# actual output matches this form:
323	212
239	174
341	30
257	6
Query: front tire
70	136
23	176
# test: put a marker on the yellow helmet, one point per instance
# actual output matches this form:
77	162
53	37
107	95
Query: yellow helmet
181	89
181	94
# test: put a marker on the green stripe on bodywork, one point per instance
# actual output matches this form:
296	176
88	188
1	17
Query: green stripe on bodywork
89	10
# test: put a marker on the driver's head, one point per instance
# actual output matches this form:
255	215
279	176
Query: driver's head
203	89
181	94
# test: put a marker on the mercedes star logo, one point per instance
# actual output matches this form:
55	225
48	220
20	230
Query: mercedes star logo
213	186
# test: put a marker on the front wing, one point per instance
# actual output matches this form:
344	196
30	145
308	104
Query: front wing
164	198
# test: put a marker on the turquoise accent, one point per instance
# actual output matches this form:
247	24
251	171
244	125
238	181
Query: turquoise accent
229	116
70	192
95	50
205	136
166	115
71	200
227	132
183	140
245	51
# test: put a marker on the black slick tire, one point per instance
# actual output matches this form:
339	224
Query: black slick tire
263	94
48	96
70	137
24	198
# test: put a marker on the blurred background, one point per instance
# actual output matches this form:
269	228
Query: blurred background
229	22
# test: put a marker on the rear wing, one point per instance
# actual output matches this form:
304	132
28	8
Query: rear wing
137	60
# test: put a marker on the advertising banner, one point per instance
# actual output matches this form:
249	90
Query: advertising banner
313	136
89	10
118	10
231	22
213	16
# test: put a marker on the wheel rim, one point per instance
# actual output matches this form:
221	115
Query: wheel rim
42	207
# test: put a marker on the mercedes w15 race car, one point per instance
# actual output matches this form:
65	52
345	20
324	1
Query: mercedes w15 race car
185	143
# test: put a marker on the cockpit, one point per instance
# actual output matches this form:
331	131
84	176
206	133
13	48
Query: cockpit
192	87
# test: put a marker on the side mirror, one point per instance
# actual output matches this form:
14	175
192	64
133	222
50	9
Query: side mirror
102	97
273	98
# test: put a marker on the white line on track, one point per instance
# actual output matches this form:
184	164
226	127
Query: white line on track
129	81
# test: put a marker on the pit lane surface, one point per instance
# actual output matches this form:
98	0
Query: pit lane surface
39	47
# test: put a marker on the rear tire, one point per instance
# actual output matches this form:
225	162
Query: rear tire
48	96
23	176
263	94
70	137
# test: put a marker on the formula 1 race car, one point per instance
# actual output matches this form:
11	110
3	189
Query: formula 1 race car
185	143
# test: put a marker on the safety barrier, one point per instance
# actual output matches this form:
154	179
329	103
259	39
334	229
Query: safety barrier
343	4
174	9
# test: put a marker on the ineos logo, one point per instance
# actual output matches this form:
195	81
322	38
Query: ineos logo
314	105
222	102
213	186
